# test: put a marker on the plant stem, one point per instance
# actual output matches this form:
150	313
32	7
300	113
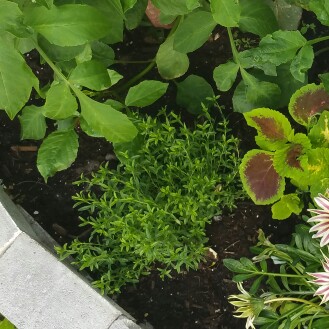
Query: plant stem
281	275
51	64
233	47
137	77
133	62
316	40
292	299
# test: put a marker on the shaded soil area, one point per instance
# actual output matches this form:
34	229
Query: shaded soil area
193	300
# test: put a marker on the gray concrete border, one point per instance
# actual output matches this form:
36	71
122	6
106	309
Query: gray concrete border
37	290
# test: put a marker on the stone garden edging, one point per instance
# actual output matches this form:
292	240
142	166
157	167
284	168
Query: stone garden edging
37	290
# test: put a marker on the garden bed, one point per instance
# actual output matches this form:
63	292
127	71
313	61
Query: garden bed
189	300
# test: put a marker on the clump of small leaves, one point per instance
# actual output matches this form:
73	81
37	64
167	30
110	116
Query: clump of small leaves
151	212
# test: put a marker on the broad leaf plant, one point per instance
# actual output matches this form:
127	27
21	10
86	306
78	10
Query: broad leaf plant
284	154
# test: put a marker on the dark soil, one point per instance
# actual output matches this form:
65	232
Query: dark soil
193	300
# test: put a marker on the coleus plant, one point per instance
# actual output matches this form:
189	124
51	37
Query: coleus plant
302	157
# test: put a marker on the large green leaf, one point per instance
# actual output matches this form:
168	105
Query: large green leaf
33	123
92	74
259	177
145	93
279	47
240	101
288	15
257	17
57	152
226	12
225	75
194	31
321	9
171	63
135	14
16	79
102	52
193	91
176	7
302	62
60	103
9	15
260	93
69	25
58	53
106	121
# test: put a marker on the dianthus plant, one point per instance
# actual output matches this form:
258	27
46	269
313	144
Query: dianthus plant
151	212
296	278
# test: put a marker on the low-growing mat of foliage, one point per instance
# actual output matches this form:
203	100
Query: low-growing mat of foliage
151	212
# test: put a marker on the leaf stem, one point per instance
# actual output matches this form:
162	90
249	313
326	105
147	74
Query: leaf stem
233	47
133	62
293	299
317	40
51	64
281	275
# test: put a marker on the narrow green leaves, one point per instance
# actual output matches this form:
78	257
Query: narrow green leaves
57	152
193	32
145	93
68	25
106	121
226	12
33	123
60	103
16	79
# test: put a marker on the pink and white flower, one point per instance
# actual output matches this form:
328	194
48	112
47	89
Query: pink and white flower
322	220
322	279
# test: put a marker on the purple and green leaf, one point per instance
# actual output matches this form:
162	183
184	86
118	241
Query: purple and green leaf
259	177
273	128
307	102
291	159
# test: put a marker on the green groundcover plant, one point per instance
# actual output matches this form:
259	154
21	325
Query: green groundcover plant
301	157
289	283
151	212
